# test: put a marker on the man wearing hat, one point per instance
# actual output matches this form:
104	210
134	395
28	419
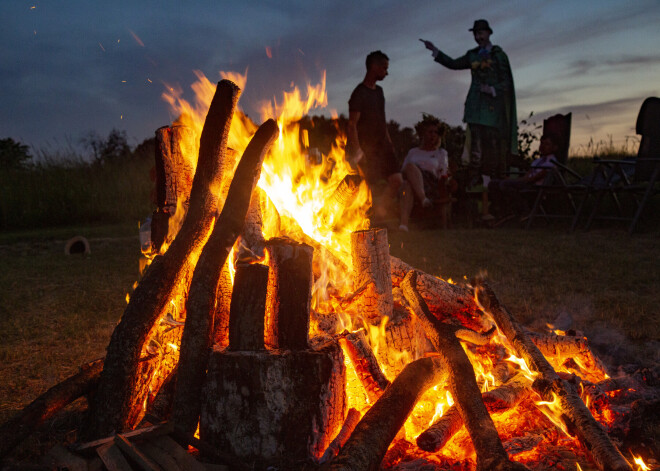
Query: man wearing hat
490	107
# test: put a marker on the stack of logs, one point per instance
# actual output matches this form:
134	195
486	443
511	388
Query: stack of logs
247	372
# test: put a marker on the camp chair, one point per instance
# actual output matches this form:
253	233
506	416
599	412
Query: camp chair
555	197
638	177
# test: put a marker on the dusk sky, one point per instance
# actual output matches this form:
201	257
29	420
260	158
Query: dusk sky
70	67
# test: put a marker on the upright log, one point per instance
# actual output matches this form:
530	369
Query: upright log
110	409
175	168
370	253
222	306
289	294
197	336
248	308
368	443
590	433
462	383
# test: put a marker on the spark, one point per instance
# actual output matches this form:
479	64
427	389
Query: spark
137	38
101	46
269	52
149	80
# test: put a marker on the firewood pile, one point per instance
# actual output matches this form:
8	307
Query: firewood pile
221	360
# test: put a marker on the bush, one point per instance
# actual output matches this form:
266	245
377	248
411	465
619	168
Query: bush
13	154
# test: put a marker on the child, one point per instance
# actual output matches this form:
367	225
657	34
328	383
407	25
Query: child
507	194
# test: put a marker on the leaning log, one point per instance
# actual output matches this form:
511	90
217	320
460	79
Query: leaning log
110	408
372	436
576	415
462	383
447	301
197	336
351	421
19	427
504	397
366	365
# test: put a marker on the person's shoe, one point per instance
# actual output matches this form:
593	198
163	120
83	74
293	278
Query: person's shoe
403	228
427	203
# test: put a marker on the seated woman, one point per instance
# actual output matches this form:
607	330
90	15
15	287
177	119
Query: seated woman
425	169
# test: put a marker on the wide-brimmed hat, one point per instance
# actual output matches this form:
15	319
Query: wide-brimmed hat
481	24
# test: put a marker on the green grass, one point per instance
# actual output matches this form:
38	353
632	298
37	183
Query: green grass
69	192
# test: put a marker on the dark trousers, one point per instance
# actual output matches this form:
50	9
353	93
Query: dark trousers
486	157
509	196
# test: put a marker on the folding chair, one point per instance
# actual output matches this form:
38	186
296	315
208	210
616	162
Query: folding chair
555	197
638	177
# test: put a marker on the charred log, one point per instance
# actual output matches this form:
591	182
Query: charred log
372	436
352	419
501	398
18	428
174	177
289	294
575	347
248	308
448	302
371	269
578	418
287	409
366	365
462	383
198	332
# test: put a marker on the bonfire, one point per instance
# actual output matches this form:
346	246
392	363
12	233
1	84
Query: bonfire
272	329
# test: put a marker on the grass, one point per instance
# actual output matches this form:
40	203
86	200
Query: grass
59	192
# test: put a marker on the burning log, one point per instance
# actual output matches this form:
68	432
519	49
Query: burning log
501	398
174	177
372	436
222	307
575	347
574	412
352	419
289	294
112	405
462	383
364	361
248	304
449	302
19	427
371	269
198	333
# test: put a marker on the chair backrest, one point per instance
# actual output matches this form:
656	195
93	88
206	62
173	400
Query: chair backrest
648	126
559	127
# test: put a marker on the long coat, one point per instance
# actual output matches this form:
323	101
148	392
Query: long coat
490	68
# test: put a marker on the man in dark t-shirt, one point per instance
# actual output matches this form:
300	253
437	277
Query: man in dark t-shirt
369	143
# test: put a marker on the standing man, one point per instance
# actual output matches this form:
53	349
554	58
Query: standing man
368	141
490	107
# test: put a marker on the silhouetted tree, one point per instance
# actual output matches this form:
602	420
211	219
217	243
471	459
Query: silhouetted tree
112	148
13	154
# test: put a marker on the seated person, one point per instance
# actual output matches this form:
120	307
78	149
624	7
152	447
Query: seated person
507	195
425	169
